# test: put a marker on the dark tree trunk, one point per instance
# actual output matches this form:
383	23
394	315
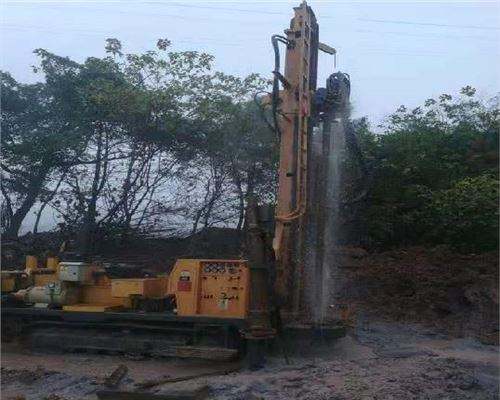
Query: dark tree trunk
32	192
86	240
47	200
241	196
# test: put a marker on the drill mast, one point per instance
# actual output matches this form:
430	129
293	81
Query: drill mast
304	158
295	109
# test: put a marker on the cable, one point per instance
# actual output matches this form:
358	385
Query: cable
227	9
388	21
276	83
430	35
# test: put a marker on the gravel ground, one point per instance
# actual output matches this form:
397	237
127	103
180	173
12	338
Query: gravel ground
382	360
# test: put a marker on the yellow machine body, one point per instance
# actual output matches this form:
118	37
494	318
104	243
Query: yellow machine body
219	288
31	263
31	275
151	288
97	297
13	280
42	277
8	283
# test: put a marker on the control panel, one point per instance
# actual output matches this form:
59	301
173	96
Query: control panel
211	287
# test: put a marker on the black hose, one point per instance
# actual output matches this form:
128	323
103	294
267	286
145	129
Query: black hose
276	83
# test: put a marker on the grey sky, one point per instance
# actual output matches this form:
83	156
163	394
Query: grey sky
396	52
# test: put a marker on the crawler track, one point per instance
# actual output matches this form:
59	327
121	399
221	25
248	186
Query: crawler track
150	334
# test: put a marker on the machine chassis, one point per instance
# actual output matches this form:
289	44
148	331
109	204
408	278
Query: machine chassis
147	334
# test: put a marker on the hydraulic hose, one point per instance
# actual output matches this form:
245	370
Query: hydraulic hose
276	84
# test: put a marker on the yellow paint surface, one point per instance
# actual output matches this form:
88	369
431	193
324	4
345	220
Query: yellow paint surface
8	283
44	279
99	295
90	308
147	287
218	288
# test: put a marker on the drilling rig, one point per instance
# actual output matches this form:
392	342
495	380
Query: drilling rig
209	308
309	122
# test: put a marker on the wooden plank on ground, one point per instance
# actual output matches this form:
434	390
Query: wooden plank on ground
168	379
116	376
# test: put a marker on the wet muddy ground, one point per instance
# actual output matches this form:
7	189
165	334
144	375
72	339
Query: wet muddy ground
376	360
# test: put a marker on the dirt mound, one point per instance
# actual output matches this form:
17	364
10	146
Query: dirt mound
156	254
435	286
160	254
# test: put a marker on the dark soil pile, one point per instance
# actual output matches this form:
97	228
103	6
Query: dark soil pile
160	254
456	292
155	254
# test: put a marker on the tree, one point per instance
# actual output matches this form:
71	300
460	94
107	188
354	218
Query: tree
38	139
253	159
114	135
235	152
138	115
421	153
466	215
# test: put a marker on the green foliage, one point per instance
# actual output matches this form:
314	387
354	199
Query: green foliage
466	215
123	142
39	138
128	139
421	156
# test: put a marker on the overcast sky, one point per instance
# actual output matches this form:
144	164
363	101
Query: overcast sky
396	52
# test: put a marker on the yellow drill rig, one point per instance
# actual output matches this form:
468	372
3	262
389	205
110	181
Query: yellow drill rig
204	308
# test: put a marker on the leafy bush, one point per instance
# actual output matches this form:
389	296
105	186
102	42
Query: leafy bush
466	215
433	173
